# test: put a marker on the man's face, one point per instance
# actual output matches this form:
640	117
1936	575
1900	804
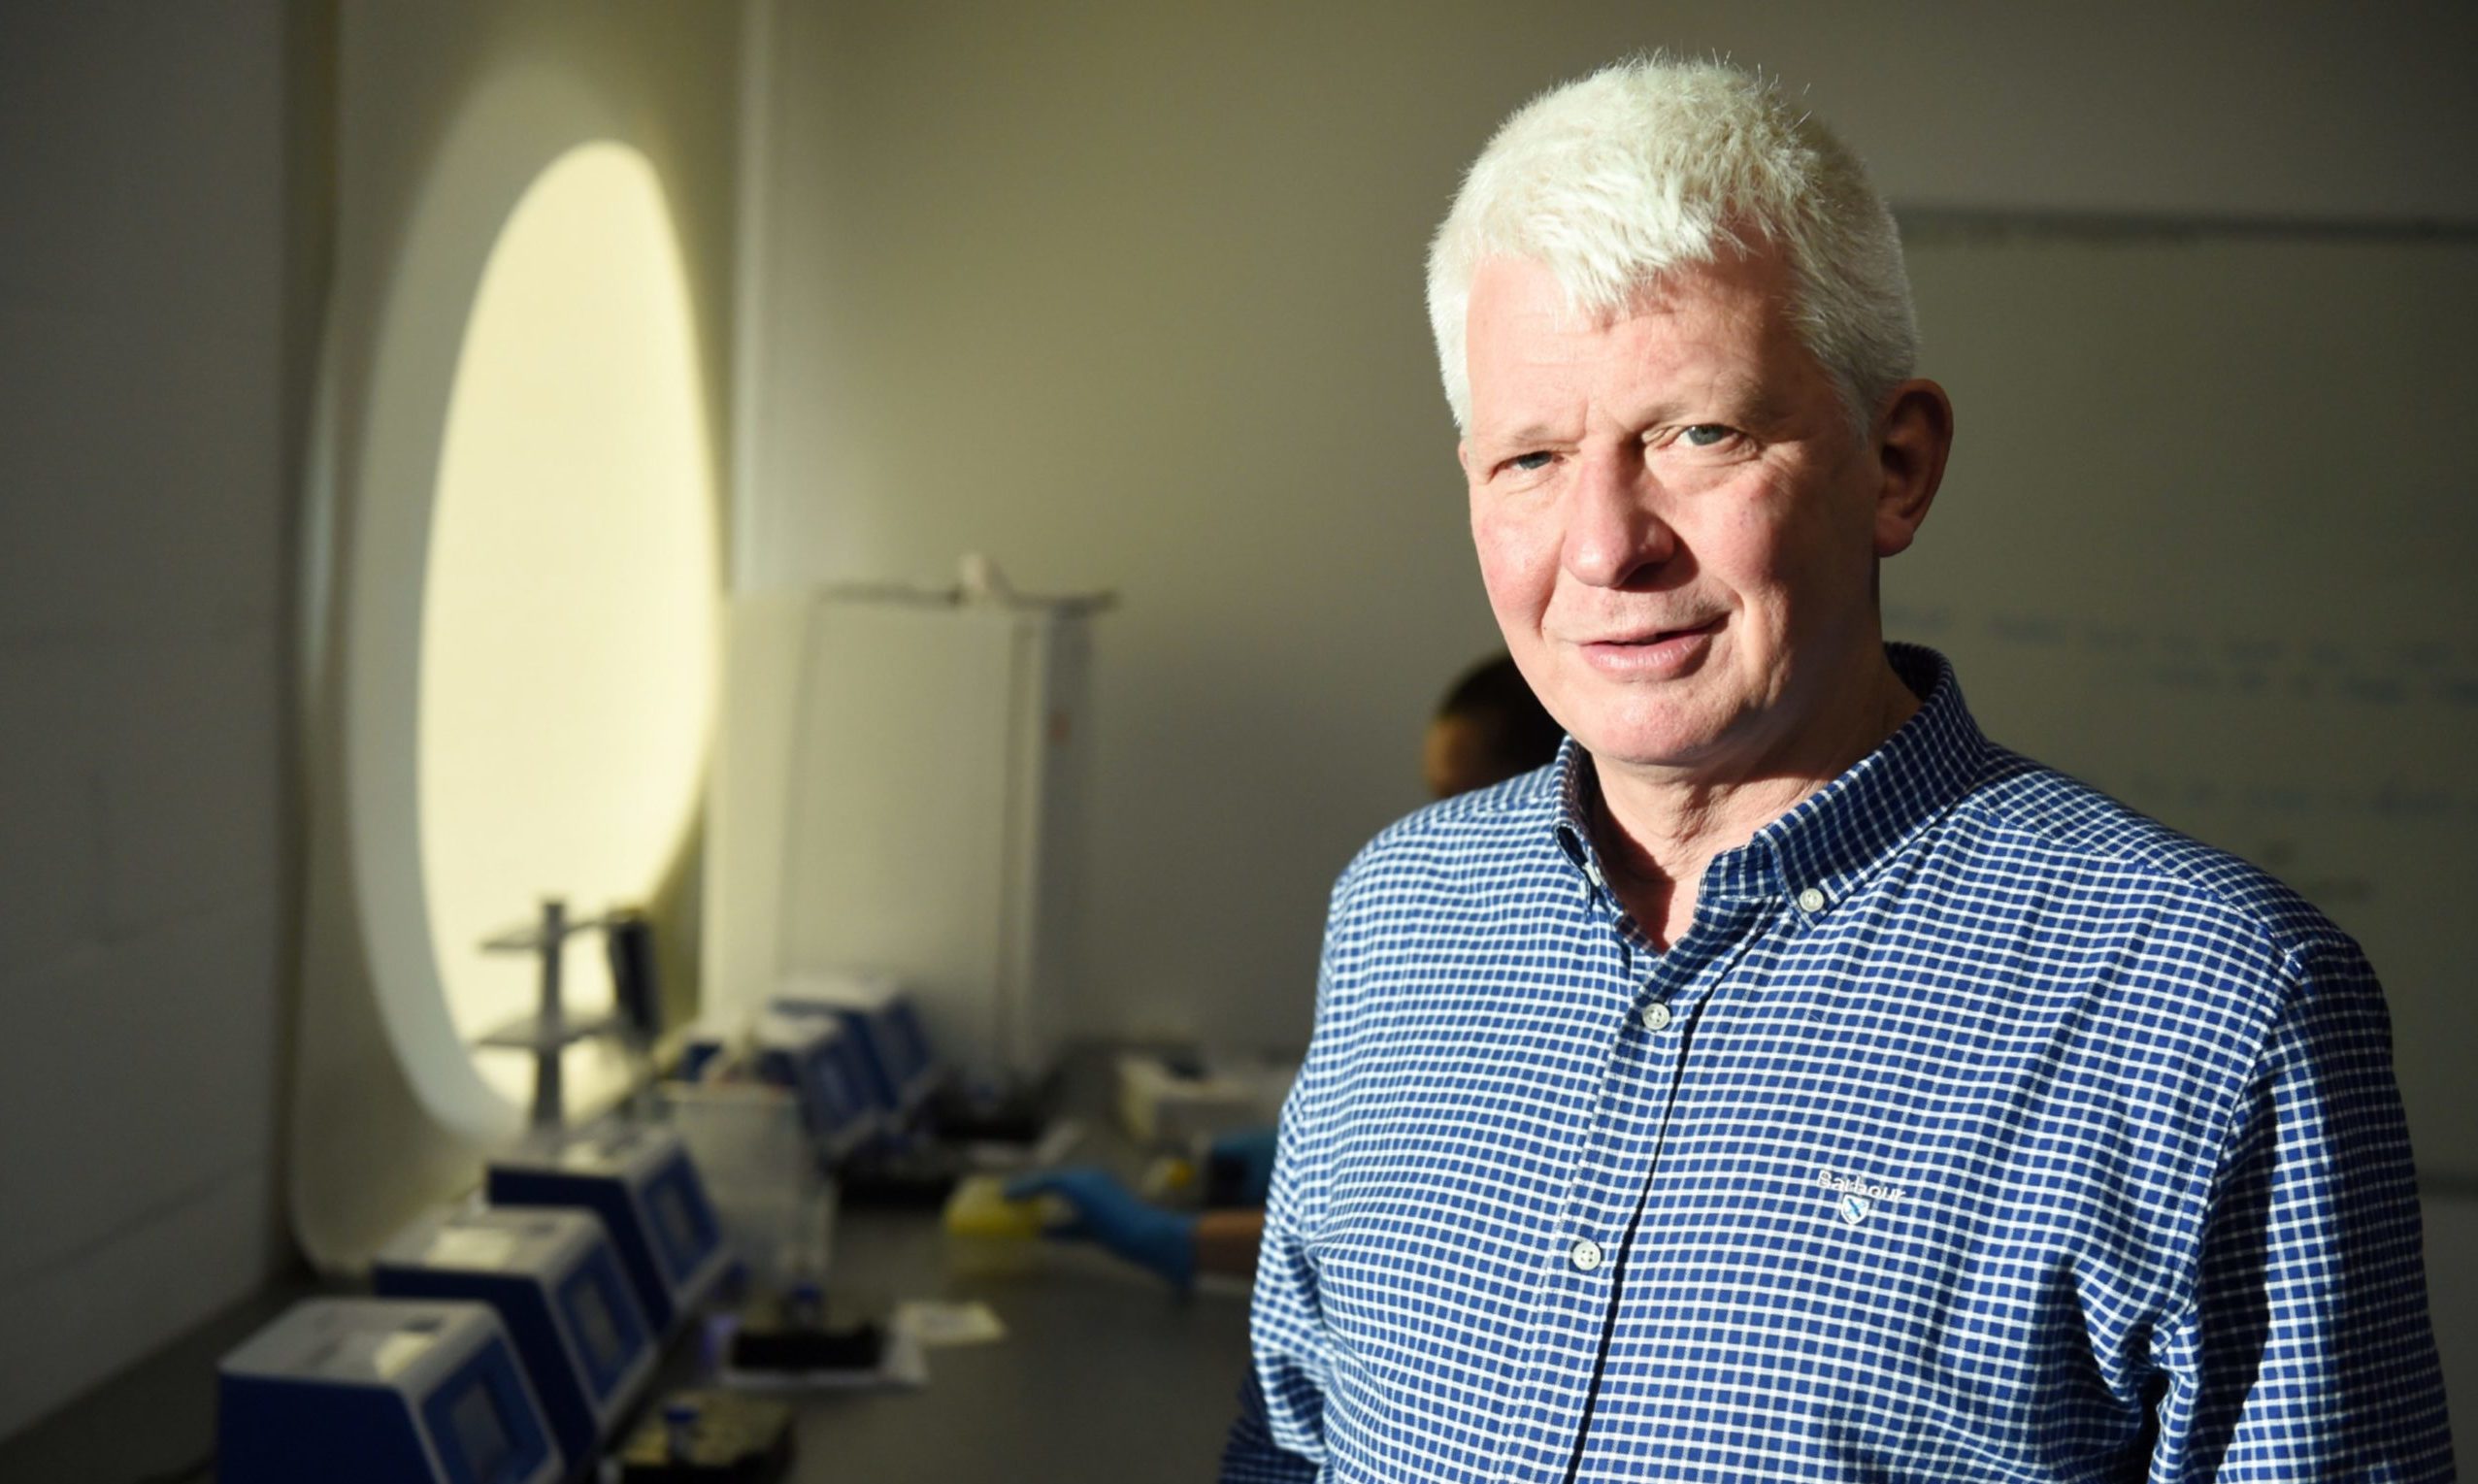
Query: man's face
1676	526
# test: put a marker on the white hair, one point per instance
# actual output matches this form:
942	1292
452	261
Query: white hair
1651	165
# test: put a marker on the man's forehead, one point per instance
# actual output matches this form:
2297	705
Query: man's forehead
1529	340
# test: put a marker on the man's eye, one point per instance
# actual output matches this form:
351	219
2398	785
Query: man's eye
1530	463
1704	435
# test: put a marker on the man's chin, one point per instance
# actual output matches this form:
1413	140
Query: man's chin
1651	752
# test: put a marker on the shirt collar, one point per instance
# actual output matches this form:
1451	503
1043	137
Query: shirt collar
1837	837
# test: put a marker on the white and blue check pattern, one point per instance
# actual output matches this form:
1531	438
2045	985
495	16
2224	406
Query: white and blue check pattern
1979	1128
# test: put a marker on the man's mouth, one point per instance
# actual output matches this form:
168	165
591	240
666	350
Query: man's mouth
1645	637
1651	651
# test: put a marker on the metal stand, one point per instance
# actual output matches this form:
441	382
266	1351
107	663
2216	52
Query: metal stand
549	1031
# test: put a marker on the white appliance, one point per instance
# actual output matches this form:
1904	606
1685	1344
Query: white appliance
898	790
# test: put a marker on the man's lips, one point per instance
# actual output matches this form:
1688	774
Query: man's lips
1638	638
1650	653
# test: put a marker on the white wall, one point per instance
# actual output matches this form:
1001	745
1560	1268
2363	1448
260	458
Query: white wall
149	323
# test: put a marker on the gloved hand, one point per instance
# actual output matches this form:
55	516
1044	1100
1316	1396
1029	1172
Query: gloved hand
1106	1212
1239	1167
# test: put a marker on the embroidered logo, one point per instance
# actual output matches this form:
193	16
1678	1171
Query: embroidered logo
1852	1198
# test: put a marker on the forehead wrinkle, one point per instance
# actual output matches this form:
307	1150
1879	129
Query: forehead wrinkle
1709	342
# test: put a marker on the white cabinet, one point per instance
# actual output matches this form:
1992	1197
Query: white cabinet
899	788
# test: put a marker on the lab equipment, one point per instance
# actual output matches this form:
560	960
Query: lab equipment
643	1184
549	1033
884	1026
1172	1100
898	782
380	1391
761	1171
554	1278
710	1437
813	1056
827	1066
636	985
771	1111
550	1030
712	1048
792	1333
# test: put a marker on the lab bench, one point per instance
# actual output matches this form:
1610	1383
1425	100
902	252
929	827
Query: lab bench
1103	1373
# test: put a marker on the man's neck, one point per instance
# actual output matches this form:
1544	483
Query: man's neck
1656	830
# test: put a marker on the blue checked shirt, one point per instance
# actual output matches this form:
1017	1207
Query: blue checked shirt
1978	1127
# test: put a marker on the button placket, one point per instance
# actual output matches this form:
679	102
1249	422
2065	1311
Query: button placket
1612	1176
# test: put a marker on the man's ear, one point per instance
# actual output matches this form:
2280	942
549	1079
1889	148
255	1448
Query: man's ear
1913	437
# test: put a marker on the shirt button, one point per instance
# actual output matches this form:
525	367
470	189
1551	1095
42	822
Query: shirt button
1592	874
1810	901
1586	1255
1656	1017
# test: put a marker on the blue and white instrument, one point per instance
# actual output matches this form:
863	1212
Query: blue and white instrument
825	1067
643	1185
380	1391
554	1278
883	1024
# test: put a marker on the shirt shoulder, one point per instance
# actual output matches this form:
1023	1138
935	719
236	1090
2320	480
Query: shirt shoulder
1489	830
2056	830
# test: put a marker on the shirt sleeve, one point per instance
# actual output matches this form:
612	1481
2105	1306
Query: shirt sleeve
2305	1351
1280	1431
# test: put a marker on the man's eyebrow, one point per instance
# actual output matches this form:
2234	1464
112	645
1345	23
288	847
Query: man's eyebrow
1529	434
1760	401
1735	395
1761	397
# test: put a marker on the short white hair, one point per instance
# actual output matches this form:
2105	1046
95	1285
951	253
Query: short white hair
1651	165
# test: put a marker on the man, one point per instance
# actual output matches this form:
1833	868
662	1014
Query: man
1789	1083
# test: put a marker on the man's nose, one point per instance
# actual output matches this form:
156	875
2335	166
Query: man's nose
1614	533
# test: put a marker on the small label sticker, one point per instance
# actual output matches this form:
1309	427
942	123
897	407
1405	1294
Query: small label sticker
948	1324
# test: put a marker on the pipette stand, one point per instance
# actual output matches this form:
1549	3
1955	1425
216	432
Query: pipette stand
550	1030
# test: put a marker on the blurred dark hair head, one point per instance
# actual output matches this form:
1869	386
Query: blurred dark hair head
1488	729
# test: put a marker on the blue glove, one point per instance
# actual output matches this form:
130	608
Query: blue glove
1239	1167
1108	1213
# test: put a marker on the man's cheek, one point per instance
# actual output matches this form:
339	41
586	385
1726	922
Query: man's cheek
1518	604
1514	557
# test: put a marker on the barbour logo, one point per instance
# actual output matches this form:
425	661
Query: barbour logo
1852	1198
